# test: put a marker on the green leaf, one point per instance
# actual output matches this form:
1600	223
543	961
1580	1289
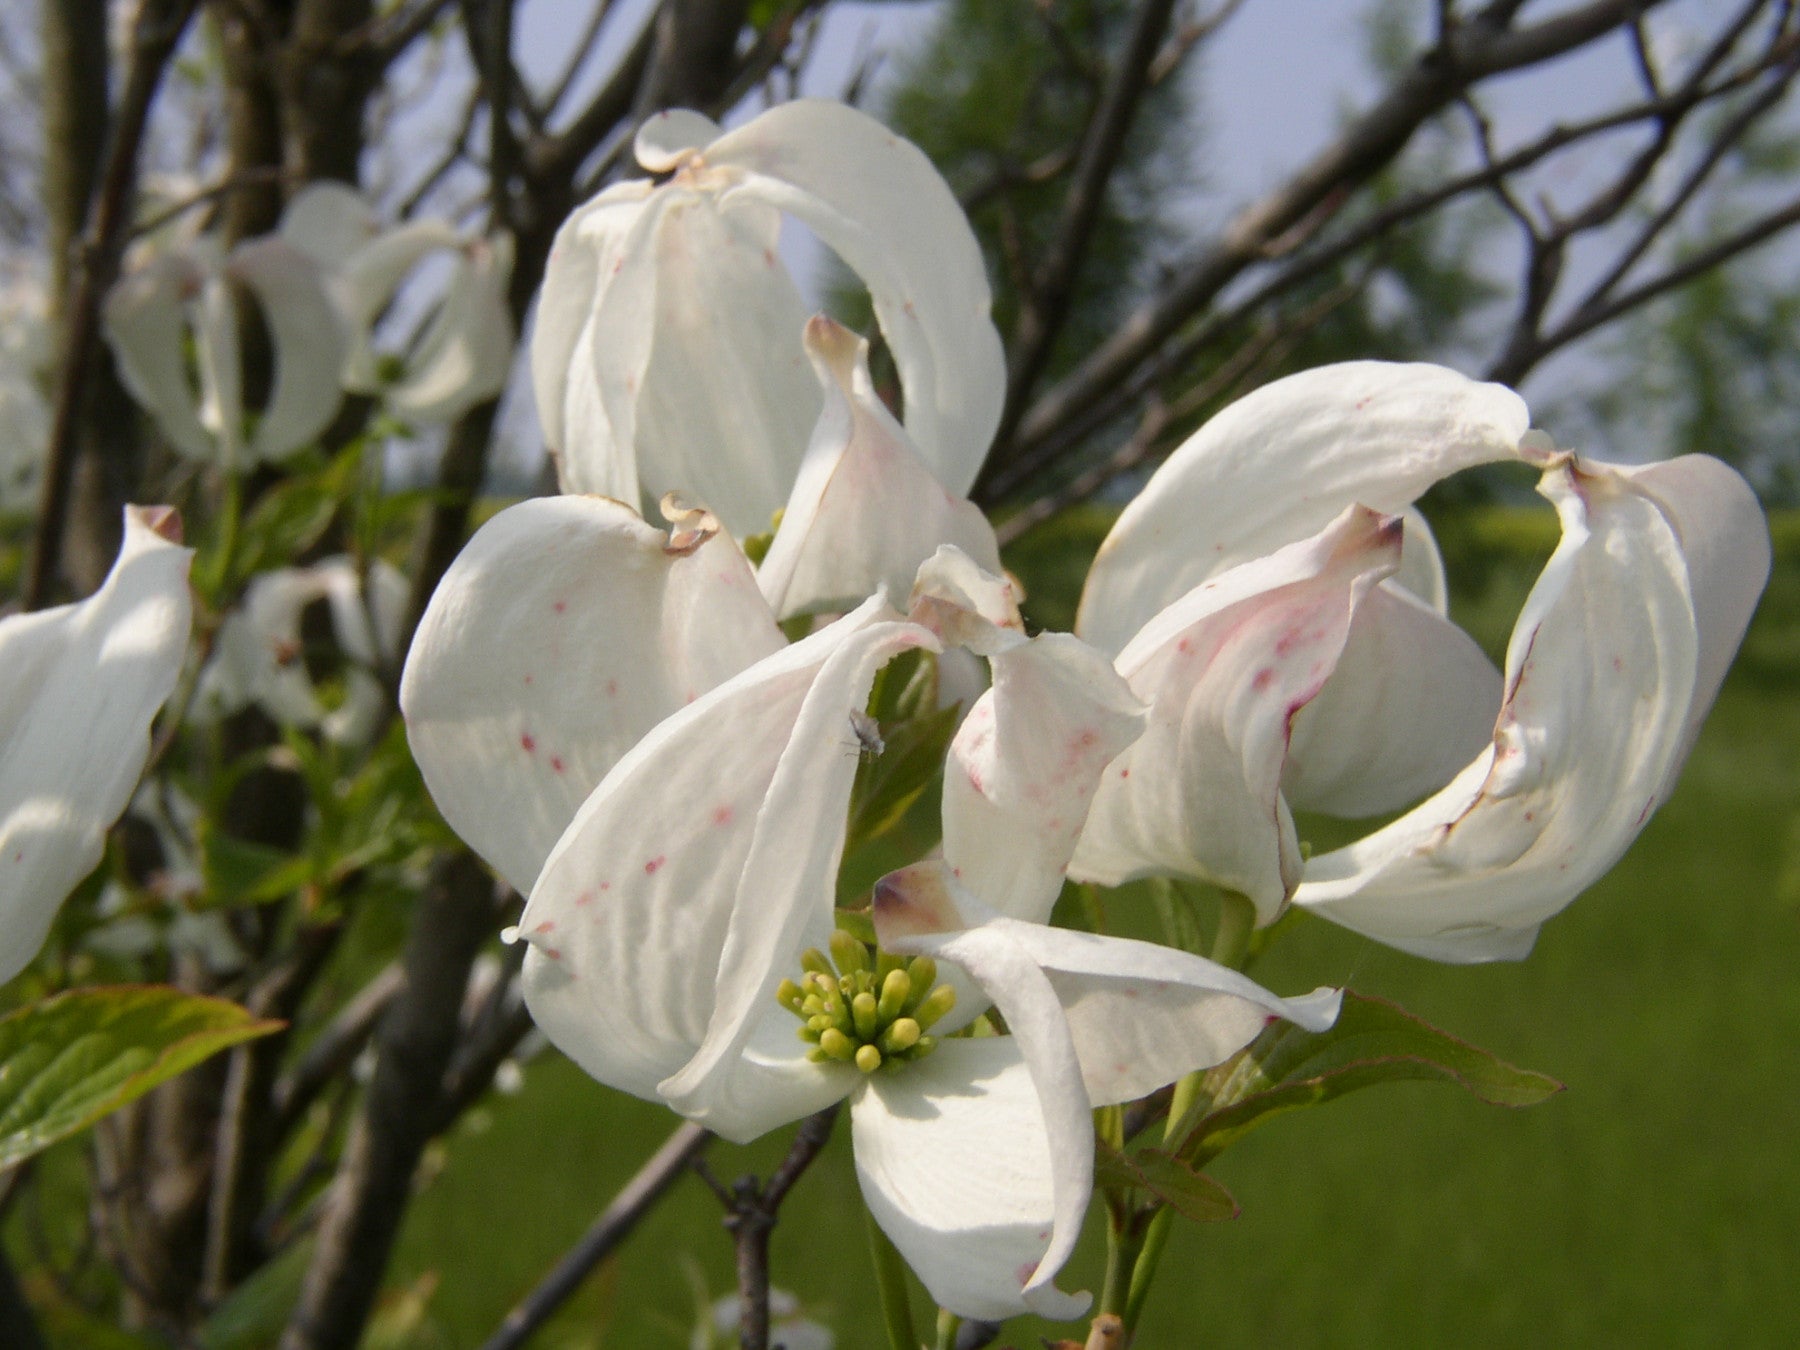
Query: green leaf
1374	1041
72	1058
1191	1194
889	783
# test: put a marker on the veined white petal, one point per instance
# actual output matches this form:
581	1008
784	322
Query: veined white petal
307	339
1282	462
145	322
465	354
1024	766
877	201
1143	1015
329	221
956	1163
865	511
1725	542
966	605
691	879
1224	670
1422	563
367	283
1412	700
585	254
786	881
84	681
1600	681
719	402
668	137
565	631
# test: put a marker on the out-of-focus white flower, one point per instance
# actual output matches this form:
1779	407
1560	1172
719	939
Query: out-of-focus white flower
667	354
259	655
1292	654
463	354
789	1327
24	407
83	682
187	293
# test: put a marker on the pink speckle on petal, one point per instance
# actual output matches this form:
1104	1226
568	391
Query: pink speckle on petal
612	688
1618	663
1263	678
1124	773
1025	1272
527	742
585	899
560	606
554	953
1088	738
547	926
722	815
556	763
528	679
956	871
651	867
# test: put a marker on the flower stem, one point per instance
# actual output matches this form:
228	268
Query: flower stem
1144	1269
948	1324
890	1282
1237	920
1124	1241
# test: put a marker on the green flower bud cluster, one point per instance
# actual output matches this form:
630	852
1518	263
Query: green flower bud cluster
869	1008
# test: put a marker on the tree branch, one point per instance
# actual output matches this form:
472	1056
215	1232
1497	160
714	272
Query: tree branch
634	1200
368	1196
1481	48
1047	302
155	36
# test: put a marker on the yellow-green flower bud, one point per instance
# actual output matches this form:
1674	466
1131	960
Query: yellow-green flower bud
812	959
902	1035
862	1012
895	990
836	1044
922	972
934	1005
868	1059
850	955
788	995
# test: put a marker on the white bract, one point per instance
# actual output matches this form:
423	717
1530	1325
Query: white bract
1255	597
671	784
667	354
259	654
83	682
190	292
462	355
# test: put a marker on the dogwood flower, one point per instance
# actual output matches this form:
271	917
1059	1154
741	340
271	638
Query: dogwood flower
83	682
667	351
1617	655
463	354
678	925
259	654
187	290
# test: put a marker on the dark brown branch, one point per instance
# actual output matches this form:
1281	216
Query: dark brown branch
367	1198
386	37
753	1208
18	1325
335	1048
1517	364
1481	48
1047	301
634	1200
154	39
487	27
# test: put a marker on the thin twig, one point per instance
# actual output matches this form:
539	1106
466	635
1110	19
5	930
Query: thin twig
634	1200
154	38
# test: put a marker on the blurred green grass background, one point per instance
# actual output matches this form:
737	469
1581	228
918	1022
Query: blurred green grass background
1656	1202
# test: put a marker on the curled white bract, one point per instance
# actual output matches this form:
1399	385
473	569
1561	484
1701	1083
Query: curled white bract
667	353
679	822
83	682
1535	779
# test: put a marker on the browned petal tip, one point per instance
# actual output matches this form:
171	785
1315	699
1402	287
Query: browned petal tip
164	521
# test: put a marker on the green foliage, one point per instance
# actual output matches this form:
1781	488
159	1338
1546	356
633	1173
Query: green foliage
1191	1194
1374	1041
72	1058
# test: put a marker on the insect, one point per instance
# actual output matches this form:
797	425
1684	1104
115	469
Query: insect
867	732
